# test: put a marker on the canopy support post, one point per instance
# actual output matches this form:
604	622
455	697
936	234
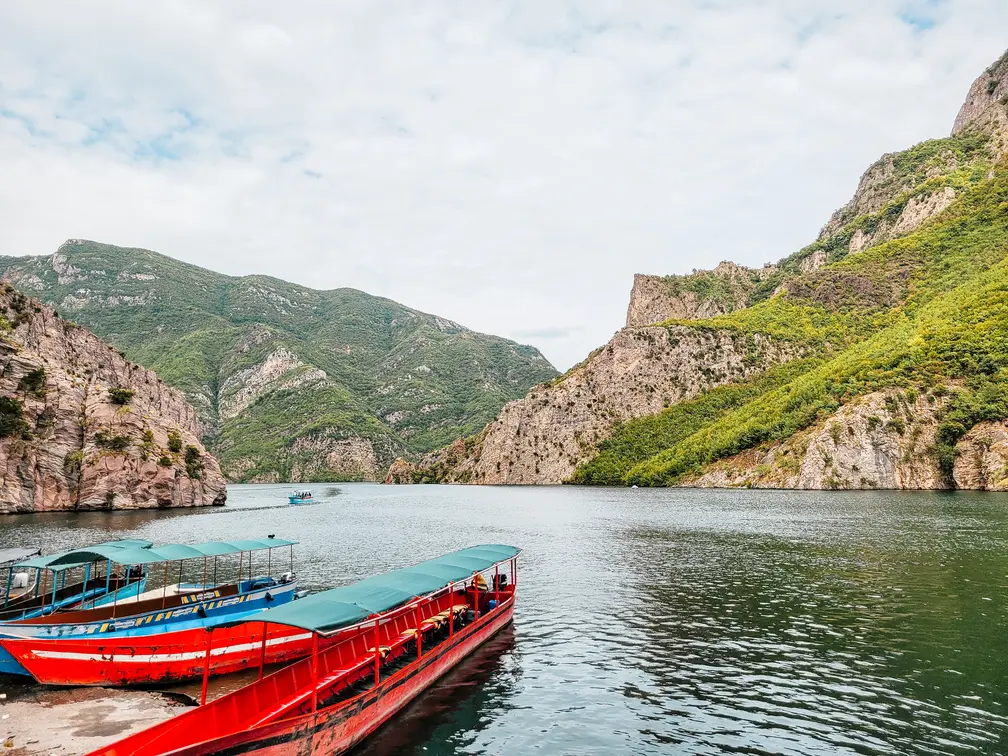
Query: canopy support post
314	672
292	558
180	573
377	651
108	575
164	588
269	562
497	586
204	573
87	581
262	653
476	592
215	571
38	579
45	589
451	610
206	667
241	563
419	629
10	576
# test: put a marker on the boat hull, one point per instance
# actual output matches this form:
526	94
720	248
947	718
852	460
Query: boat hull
159	658
340	728
11	666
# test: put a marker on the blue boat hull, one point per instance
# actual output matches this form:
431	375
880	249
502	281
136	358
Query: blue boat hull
205	610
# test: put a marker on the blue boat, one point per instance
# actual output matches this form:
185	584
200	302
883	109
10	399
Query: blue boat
301	497
179	605
29	594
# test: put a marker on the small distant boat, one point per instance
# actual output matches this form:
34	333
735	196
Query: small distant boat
301	497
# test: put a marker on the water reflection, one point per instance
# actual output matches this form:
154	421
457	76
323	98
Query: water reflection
457	709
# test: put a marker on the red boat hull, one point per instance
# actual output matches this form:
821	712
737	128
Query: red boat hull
158	658
336	729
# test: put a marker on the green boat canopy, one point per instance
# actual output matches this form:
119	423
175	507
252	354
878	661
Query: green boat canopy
337	608
49	561
16	554
134	552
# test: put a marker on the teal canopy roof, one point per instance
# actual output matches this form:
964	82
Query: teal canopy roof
16	554
55	561
331	610
128	552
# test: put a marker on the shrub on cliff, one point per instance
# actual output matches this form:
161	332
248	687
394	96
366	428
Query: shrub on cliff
174	441
120	396
112	443
193	462
11	417
34	383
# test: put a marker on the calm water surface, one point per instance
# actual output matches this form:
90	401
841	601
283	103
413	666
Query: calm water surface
670	621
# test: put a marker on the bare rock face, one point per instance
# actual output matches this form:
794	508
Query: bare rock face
883	440
920	209
982	458
703	294
72	436
984	96
544	436
878	441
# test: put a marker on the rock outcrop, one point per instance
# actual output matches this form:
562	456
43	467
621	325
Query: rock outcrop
702	294
881	440
81	427
400	472
982	458
985	102
543	437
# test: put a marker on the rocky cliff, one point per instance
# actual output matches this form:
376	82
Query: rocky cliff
898	313
702	294
81	427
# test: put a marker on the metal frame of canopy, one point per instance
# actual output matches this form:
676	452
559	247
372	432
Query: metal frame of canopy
431	578
128	554
54	563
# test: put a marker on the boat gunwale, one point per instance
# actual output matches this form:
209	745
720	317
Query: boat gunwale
319	720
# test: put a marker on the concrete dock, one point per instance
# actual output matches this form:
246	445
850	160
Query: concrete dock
65	721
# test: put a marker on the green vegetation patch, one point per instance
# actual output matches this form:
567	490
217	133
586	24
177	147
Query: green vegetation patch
34	382
121	396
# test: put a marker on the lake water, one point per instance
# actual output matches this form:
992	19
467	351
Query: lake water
653	621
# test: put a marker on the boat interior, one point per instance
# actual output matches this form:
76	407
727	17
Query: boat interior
151	601
27	601
346	669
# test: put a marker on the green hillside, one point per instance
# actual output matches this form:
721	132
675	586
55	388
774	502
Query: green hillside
284	376
921	311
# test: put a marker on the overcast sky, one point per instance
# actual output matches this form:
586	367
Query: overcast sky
509	165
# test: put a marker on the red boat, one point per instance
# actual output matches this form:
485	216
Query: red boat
143	659
376	645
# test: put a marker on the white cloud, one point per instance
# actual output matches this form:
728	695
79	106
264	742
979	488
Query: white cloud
509	166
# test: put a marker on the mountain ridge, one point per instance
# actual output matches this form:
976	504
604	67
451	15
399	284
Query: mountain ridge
290	382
